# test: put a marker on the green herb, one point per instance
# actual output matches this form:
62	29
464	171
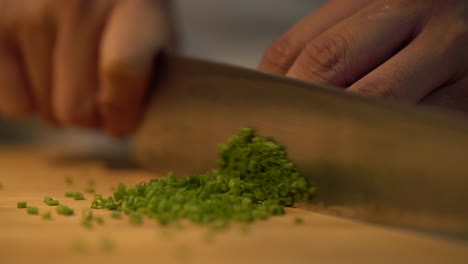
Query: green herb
253	181
75	195
47	216
298	220
99	220
69	180
64	210
50	201
89	189
135	219
78	196
32	210
107	245
116	215
22	204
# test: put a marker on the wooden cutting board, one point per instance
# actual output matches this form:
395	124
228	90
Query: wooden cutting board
32	172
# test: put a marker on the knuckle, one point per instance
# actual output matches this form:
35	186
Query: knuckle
281	54
327	58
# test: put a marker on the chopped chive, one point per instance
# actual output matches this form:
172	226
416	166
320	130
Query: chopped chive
86	217
99	220
116	215
298	220
253	181
47	216
47	198
87	214
69	194
32	210
68	180
64	210
22	204
87	224
52	202
78	196
135	219
89	189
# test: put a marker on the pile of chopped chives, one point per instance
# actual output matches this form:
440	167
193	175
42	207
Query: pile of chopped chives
254	180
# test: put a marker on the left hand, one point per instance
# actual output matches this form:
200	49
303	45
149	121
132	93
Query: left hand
410	50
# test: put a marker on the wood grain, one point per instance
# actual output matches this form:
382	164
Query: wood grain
33	172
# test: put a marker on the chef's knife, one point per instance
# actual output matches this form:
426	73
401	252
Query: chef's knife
371	159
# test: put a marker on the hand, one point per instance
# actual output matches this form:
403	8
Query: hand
83	63
410	50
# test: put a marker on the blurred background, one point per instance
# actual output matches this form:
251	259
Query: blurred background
233	32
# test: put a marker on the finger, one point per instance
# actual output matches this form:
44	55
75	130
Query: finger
137	30
349	50
36	40
15	101
416	70
75	61
283	52
452	96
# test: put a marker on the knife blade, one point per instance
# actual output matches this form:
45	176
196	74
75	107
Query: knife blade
371	159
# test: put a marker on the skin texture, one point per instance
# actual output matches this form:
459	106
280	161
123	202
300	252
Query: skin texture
80	63
408	50
86	63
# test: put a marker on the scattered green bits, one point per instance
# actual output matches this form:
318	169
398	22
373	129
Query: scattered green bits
22	204
32	210
78	196
75	195
89	189
116	215
50	201
47	216
298	220
135	219
69	180
99	219
253	181
64	210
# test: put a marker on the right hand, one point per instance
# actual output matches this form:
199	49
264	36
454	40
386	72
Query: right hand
84	63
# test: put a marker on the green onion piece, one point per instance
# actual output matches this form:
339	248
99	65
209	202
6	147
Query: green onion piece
89	189
47	216
87	214
32	210
135	219
99	219
52	202
68	180
22	204
116	215
78	196
298	220
47	198
64	210
69	194
87	224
